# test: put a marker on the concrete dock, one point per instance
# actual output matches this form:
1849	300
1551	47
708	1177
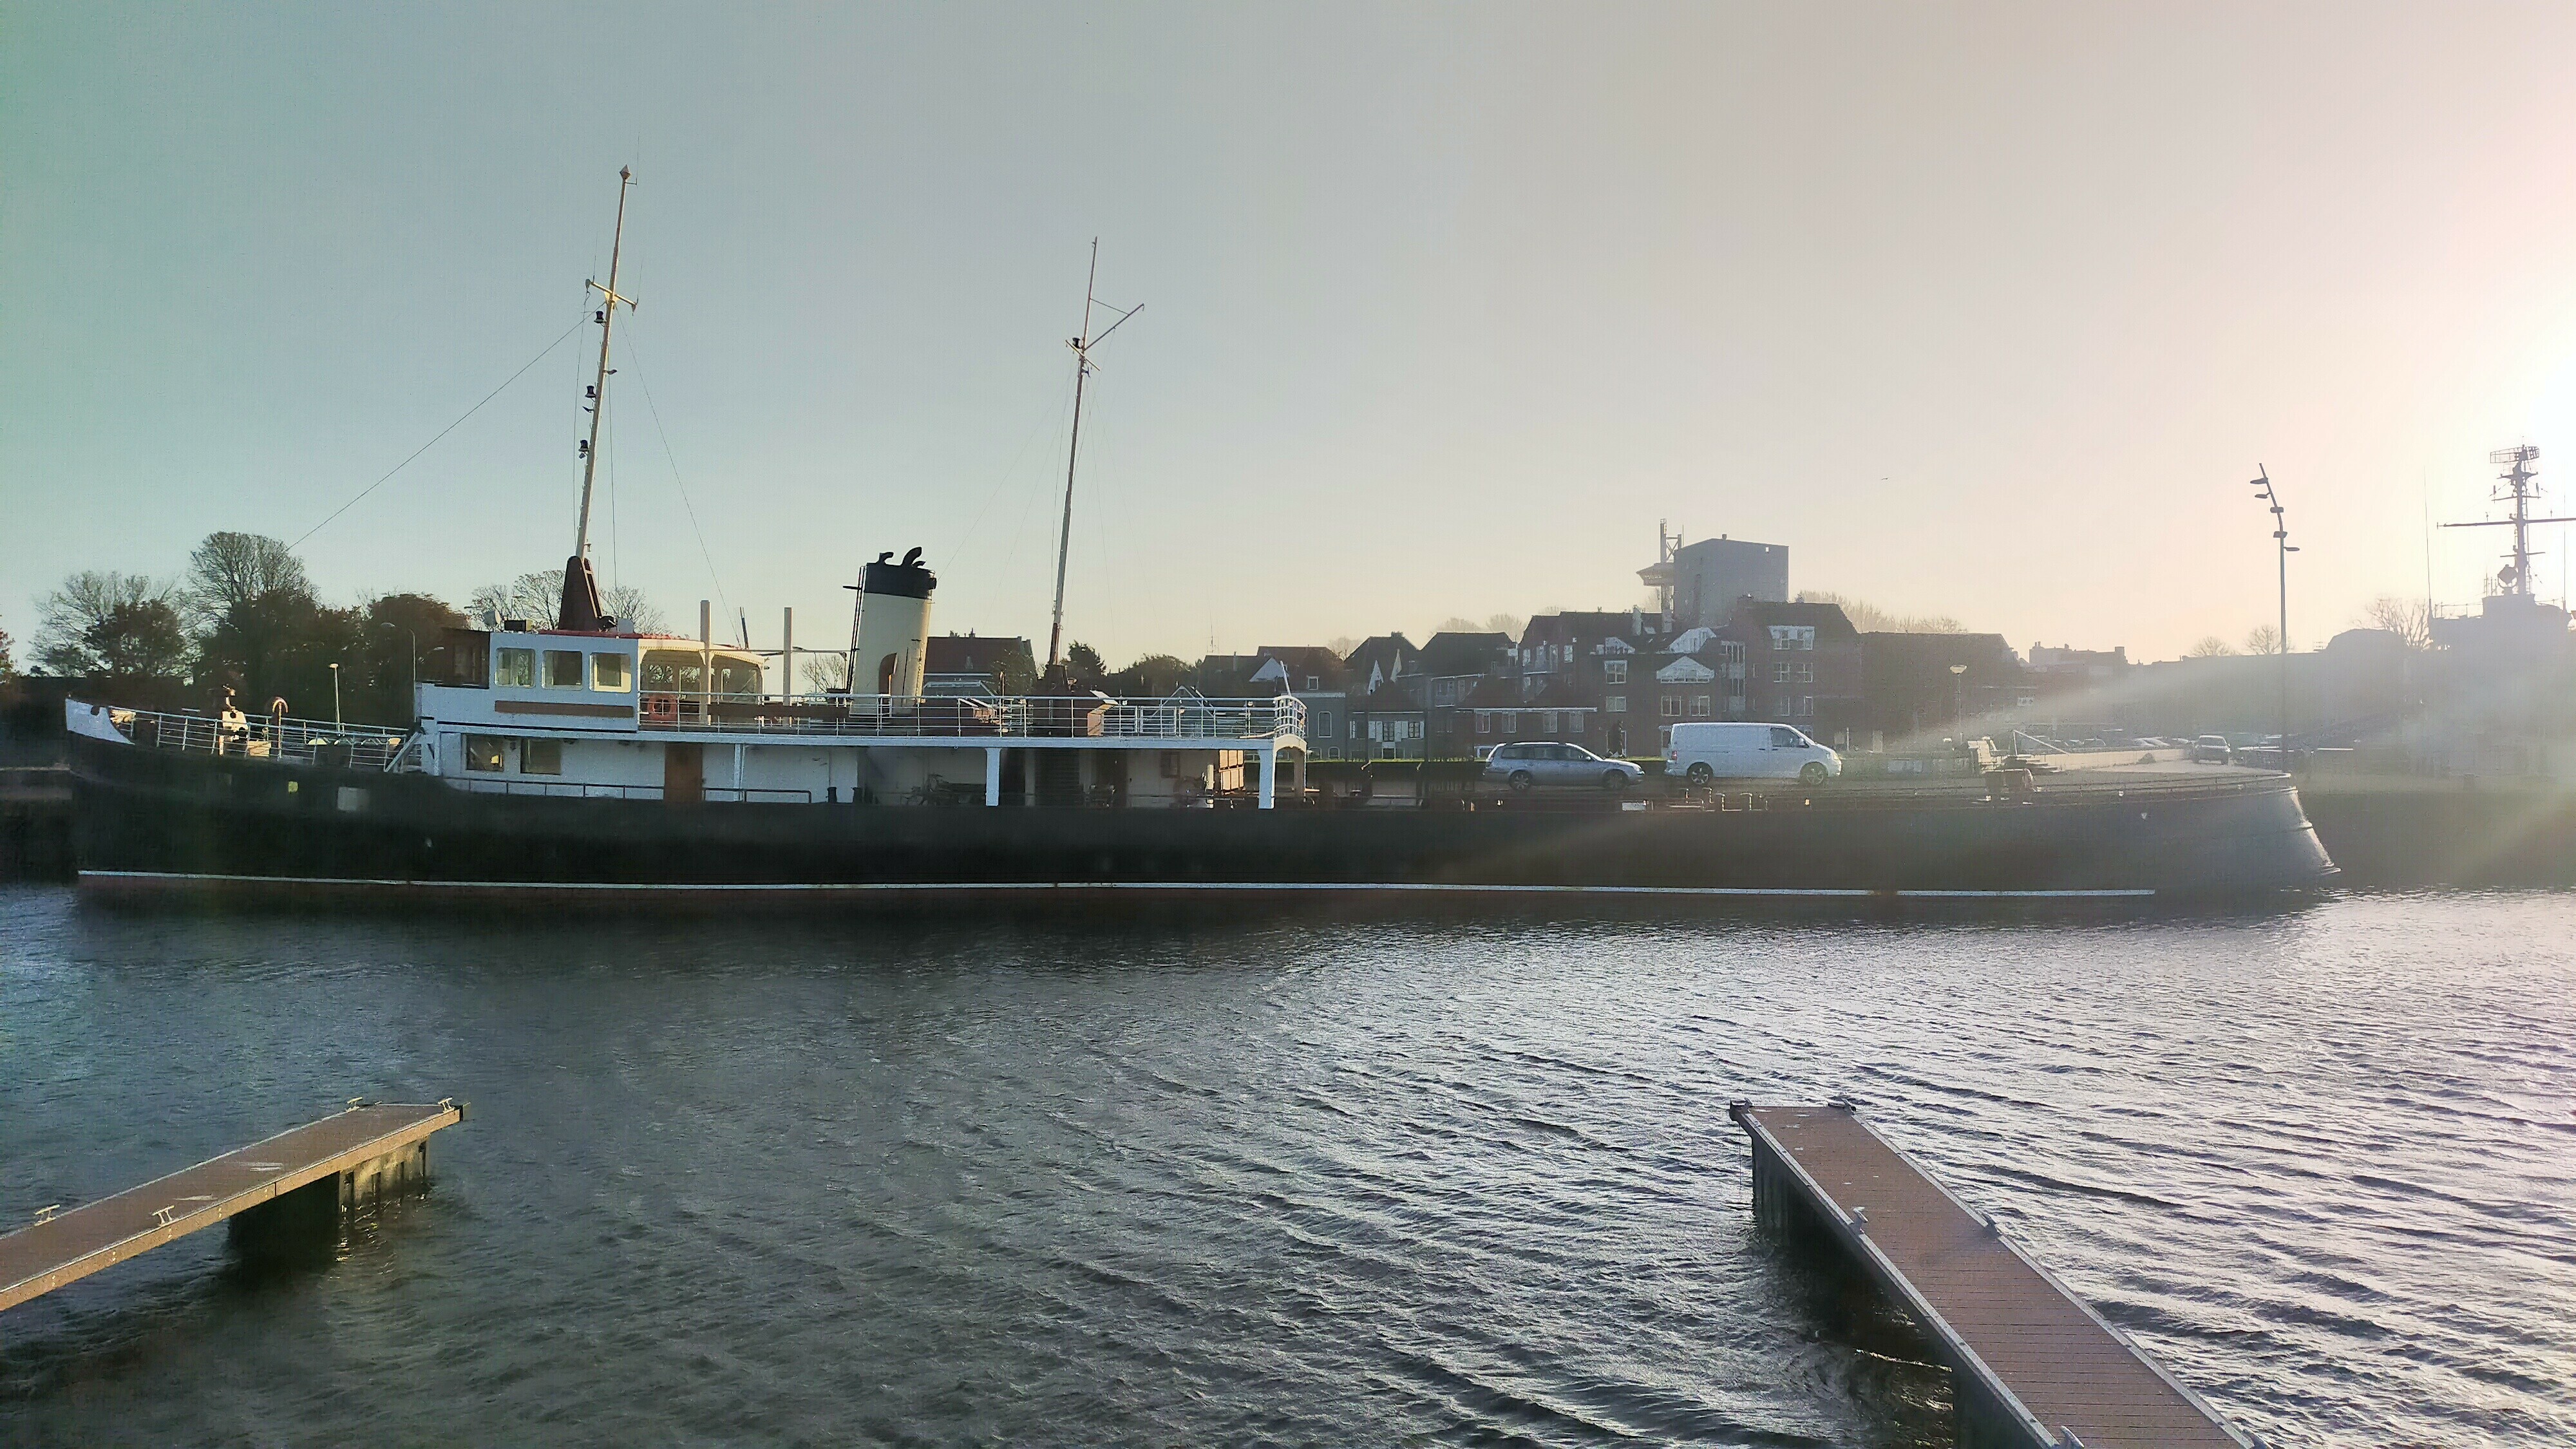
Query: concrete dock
2033	1366
277	1187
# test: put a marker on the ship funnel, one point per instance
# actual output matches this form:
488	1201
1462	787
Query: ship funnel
894	622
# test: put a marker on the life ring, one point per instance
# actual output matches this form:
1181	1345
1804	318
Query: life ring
661	709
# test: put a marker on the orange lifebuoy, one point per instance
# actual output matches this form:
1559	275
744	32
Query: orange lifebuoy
661	709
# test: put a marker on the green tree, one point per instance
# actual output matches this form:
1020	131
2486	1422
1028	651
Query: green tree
1152	677
281	645
394	631
8	666
1084	661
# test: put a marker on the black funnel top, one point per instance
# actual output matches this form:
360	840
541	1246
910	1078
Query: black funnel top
909	579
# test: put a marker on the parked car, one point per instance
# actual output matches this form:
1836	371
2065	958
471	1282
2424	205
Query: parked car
2211	750
1701	753
1526	767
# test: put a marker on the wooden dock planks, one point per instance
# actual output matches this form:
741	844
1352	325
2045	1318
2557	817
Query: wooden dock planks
362	1141
2033	1365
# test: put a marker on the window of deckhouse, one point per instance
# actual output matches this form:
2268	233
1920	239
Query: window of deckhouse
610	672
514	668
483	752
673	671
540	757
563	669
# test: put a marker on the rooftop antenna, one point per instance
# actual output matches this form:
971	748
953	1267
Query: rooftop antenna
1081	346
2516	485
581	610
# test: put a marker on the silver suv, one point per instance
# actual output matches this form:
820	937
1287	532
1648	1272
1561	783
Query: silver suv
1526	767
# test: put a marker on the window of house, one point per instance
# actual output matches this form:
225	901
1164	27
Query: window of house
1484	722
1780	672
1569	654
483	752
1511	722
1664	741
1702	704
1806	706
1547	721
1614	704
1614	671
514	668
610	672
1793	636
540	757
1313	683
1376	730
1672	704
1806	674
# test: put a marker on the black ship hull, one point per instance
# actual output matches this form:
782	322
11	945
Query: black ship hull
150	823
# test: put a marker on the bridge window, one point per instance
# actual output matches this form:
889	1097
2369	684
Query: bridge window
610	672
669	671
540	757
563	669
514	668
483	752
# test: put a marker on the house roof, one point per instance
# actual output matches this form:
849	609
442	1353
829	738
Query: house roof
1828	620
1459	653
975	654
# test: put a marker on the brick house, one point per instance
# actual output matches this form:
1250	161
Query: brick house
1802	666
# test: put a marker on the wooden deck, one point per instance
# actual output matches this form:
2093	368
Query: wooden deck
2031	1363
368	1150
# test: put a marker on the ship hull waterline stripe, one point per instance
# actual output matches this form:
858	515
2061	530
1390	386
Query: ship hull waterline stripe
112	878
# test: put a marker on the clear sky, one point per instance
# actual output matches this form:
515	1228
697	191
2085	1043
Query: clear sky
1981	310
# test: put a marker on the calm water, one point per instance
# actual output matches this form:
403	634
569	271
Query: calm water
1405	1182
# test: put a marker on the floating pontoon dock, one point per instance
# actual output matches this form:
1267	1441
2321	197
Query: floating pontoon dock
306	1174
2033	1366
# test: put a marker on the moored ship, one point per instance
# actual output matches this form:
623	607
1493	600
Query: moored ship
587	758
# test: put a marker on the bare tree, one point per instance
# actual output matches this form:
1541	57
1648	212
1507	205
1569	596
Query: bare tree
2210	647
1869	618
824	672
8	666
71	619
235	568
2263	639
1343	644
2409	619
538	598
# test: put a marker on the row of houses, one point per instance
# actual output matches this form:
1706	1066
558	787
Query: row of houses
1614	681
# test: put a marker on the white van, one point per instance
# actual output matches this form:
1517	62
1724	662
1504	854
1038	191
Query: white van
1704	752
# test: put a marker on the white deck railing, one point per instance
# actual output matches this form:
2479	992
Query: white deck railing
261	737
973	716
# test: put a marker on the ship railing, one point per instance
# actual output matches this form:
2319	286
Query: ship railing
280	739
576	790
949	716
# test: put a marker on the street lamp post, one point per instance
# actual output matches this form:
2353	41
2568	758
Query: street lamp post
335	697
2262	483
1958	690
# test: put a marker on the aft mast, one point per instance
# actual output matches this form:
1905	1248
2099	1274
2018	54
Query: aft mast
581	609
1081	346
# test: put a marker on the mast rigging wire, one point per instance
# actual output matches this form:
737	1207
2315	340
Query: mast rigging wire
433	442
712	576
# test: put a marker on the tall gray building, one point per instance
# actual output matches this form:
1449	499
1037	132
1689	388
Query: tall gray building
1703	580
